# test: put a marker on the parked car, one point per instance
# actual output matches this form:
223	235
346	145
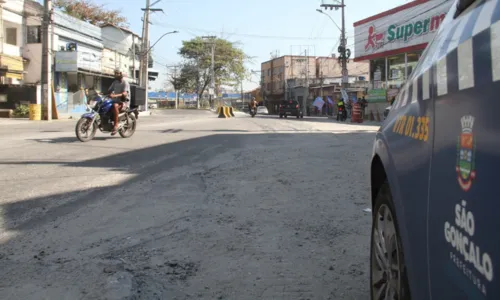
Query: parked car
262	110
435	165
290	108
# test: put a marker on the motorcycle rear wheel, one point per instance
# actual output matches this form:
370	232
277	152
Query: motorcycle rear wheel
130	127
83	127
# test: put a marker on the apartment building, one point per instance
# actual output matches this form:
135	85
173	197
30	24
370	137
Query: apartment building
281	76
20	33
276	72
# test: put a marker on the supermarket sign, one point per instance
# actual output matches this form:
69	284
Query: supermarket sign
404	28
409	30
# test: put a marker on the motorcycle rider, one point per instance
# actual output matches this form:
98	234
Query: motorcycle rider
120	93
340	104
252	104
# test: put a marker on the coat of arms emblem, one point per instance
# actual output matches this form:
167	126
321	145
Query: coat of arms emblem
466	147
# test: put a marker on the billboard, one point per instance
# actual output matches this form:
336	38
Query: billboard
412	26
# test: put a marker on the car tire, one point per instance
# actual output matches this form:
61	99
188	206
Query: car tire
383	241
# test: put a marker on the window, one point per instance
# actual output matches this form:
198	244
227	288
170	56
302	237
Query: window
377	70
34	34
412	60
11	36
396	73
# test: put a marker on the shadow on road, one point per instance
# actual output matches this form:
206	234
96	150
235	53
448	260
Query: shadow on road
184	152
71	140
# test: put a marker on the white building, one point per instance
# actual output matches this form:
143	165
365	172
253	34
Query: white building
20	39
121	50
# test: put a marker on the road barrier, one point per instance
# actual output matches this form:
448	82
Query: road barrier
223	112
356	116
35	112
231	112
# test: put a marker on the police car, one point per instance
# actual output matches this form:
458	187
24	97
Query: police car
436	165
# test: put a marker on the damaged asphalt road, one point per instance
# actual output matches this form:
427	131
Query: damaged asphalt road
242	208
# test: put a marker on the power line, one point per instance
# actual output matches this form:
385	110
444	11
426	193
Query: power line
167	25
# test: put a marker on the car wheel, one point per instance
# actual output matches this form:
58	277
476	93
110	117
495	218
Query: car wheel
388	279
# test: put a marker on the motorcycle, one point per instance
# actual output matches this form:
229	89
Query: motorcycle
253	112
101	116
342	114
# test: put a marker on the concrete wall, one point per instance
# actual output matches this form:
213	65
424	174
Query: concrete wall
33	52
33	68
330	67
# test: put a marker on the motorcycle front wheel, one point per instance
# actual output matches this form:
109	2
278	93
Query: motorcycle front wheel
129	128
85	130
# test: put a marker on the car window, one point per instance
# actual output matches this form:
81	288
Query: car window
427	56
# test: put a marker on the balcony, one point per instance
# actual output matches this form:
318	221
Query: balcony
11	50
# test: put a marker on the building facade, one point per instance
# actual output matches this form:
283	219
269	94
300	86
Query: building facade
18	37
84	56
122	48
393	41
298	77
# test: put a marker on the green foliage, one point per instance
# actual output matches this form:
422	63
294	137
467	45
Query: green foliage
88	11
22	111
195	73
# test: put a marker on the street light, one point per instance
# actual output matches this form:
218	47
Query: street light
322	12
171	32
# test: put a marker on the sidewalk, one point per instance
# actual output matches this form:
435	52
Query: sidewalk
26	121
366	122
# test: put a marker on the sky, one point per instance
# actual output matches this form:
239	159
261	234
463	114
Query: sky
261	27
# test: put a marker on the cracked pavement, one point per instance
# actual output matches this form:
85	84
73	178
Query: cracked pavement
190	207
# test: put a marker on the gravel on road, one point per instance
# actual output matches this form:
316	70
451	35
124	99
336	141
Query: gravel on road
244	208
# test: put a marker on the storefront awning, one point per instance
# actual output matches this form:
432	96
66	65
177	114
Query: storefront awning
12	63
12	75
92	73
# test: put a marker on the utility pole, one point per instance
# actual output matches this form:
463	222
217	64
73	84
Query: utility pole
304	99
144	78
46	76
133	59
2	2
145	55
175	78
344	53
211	91
241	87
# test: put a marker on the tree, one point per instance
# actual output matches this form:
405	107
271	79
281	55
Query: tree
88	11
195	73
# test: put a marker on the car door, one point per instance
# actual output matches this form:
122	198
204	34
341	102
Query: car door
463	239
408	133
